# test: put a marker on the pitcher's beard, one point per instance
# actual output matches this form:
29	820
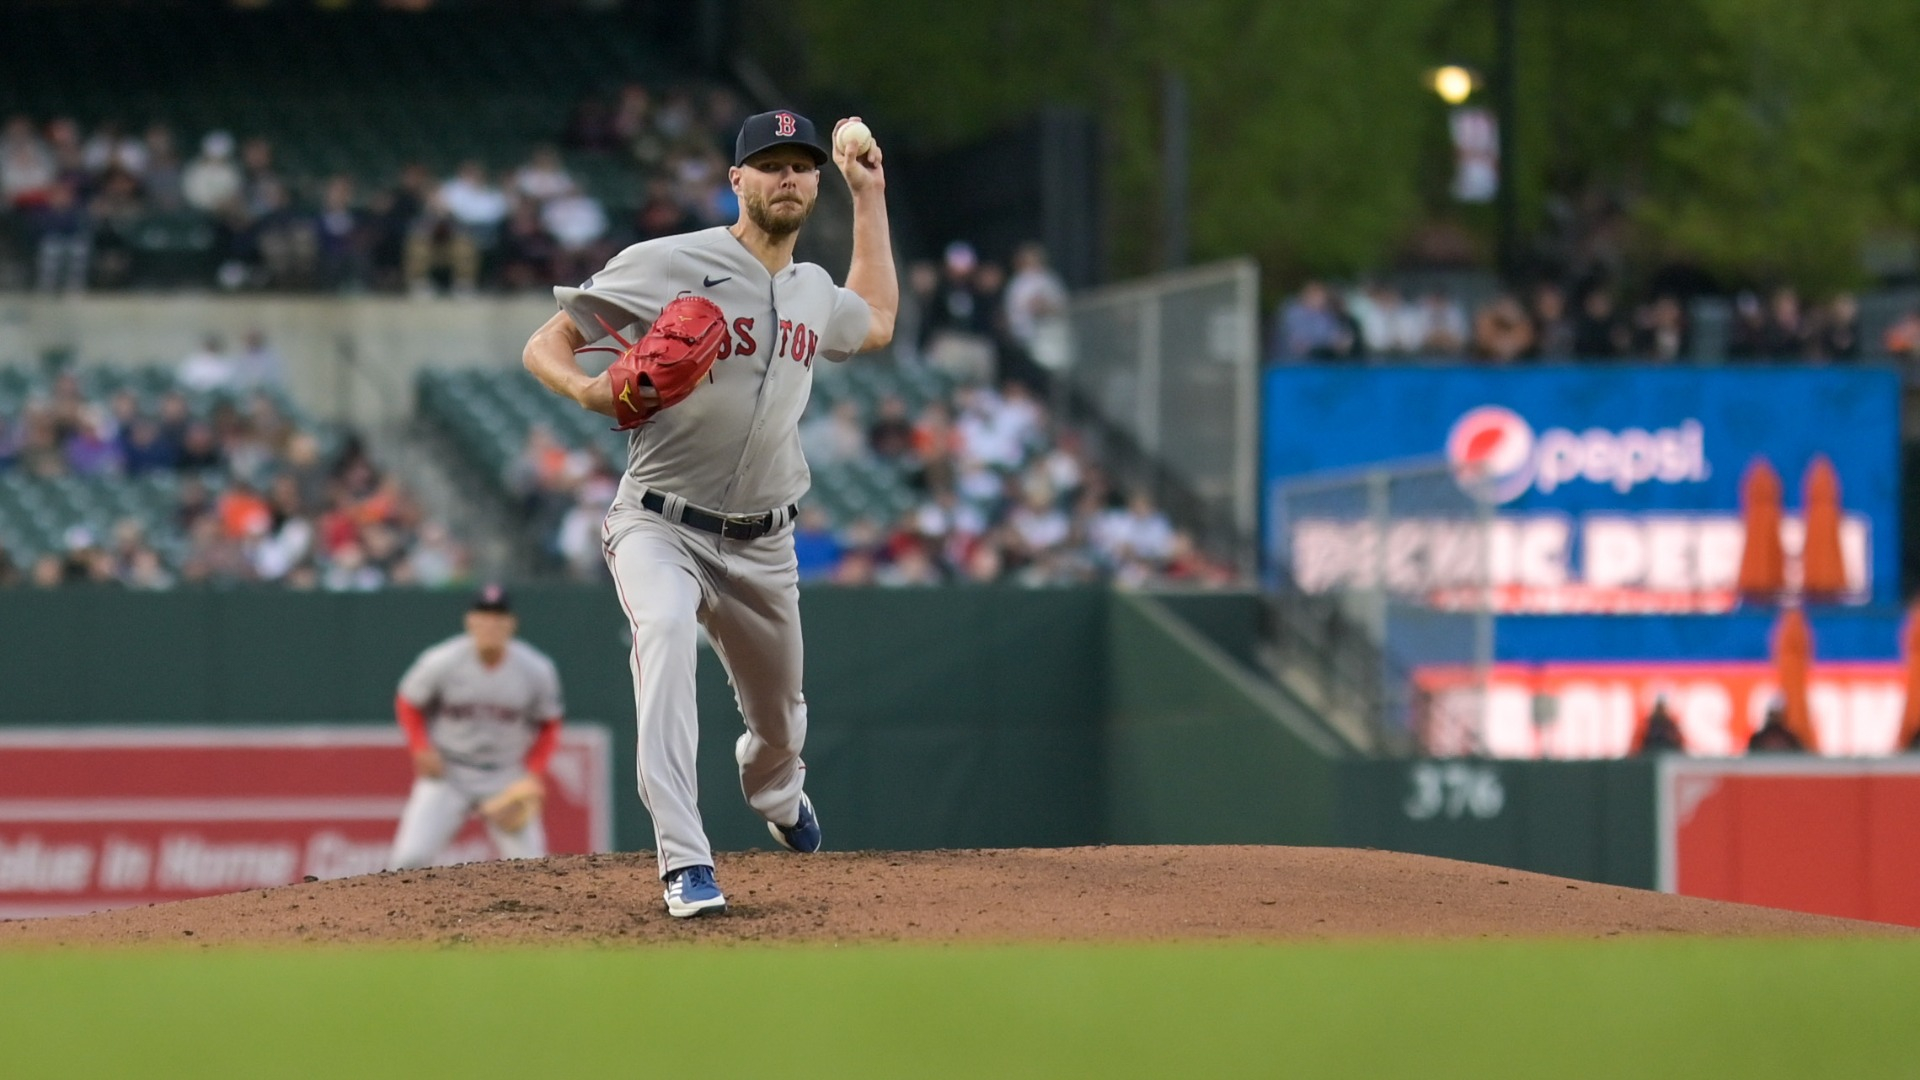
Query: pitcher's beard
778	221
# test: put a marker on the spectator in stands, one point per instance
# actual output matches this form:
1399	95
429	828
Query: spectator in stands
437	243
145	571
1502	333
526	251
1553	331
1308	327
1443	325
259	365
284	240
63	235
578	540
578	225
394	212
1746	339
834	438
955	328
1135	532
1838	335
1786	334
1599	333
200	449
116	211
112	149
48	572
287	538
27	167
543	177
1661	331
890	436
814	545
1036	301
160	182
345	239
261	187
143	449
475	203
63	138
209	368
437	561
632	113
91	449
211	182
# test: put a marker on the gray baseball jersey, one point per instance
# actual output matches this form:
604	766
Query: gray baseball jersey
481	716
734	444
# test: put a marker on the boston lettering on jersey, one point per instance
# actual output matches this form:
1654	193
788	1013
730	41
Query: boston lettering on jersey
733	445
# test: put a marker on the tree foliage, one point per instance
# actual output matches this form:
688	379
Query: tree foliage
1762	139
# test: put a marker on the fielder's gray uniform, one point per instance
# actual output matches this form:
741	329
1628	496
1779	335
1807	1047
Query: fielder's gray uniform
732	447
483	721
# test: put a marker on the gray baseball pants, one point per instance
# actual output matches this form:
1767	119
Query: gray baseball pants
438	806
672	579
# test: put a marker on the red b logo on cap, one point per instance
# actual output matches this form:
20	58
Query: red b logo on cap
783	125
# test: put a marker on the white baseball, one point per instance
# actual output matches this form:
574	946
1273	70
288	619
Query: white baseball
854	138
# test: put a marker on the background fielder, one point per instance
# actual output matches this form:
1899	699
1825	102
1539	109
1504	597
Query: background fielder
700	531
482	714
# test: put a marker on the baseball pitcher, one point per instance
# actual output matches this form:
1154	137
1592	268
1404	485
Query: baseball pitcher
700	532
481	712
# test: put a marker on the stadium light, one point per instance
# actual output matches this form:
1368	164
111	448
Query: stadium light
1453	83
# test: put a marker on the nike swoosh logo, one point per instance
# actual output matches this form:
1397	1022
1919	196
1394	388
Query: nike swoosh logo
710	282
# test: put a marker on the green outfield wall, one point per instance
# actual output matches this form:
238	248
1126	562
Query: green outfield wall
940	718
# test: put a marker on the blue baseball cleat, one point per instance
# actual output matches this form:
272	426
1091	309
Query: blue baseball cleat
803	835
691	891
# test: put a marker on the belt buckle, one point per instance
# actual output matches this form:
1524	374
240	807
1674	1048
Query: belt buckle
748	528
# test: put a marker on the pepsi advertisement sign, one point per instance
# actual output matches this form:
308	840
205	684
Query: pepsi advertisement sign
1611	489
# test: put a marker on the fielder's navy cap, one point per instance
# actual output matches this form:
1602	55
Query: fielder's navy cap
781	127
492	598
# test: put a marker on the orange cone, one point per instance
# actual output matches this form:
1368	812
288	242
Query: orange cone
1823	573
1792	662
1763	564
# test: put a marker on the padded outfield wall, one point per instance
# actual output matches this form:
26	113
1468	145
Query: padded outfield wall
940	718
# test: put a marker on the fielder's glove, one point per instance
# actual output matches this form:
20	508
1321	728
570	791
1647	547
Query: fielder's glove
516	805
671	357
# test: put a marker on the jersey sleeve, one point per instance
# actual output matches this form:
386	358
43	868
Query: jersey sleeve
420	686
847	325
548	704
630	289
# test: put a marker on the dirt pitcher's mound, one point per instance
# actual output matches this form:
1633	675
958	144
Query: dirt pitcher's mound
1081	894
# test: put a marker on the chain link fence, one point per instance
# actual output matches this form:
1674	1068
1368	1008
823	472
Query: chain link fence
1382	596
1170	364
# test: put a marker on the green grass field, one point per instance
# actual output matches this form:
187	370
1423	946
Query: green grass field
1627	1009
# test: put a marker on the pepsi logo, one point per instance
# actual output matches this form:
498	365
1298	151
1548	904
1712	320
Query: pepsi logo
1490	451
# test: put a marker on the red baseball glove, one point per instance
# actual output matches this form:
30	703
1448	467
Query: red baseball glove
672	357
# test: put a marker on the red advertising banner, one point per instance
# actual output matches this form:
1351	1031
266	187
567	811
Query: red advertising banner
97	818
1827	837
1594	710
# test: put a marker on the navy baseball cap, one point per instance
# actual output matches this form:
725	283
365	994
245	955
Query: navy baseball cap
492	598
781	127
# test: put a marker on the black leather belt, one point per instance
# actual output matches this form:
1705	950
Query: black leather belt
733	528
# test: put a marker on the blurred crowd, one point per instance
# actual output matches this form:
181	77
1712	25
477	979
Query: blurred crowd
1379	321
254	495
1000	494
81	206
1000	491
968	318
